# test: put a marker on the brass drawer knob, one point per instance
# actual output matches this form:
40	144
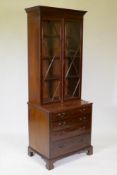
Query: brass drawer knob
83	127
62	123
59	114
59	123
61	146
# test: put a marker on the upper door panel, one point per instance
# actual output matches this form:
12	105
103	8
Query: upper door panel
51	61
72	58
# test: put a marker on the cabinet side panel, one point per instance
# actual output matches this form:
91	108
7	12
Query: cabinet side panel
33	58
91	122
39	131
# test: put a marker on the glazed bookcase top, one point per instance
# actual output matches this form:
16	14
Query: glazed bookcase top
57	50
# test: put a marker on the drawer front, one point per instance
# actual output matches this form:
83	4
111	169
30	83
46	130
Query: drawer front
62	147
70	122
71	113
71	131
63	129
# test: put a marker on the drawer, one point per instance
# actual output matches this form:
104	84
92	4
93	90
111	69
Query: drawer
65	123
71	113
62	147
60	115
70	131
82	110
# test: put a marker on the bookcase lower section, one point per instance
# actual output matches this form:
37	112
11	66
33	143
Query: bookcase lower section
54	134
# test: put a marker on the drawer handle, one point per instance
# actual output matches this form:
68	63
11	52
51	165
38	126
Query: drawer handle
83	127
59	114
62	123
85	118
80	118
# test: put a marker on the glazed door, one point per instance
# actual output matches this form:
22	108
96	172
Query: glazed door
72	59
51	61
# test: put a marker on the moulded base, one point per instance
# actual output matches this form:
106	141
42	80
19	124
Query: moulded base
50	162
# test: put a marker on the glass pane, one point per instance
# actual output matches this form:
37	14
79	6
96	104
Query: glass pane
72	59
51	64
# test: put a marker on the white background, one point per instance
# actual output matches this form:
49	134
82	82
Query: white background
99	86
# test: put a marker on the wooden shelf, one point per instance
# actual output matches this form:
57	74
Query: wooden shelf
72	76
50	58
51	36
53	78
71	57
